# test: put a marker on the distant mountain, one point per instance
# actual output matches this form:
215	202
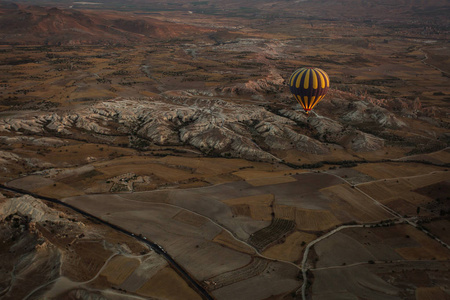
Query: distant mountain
21	24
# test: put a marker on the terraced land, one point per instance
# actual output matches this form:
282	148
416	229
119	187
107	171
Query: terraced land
266	236
254	268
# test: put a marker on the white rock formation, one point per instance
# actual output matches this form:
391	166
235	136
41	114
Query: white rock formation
32	207
364	112
212	125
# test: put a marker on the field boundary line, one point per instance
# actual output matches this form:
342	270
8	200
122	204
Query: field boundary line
221	227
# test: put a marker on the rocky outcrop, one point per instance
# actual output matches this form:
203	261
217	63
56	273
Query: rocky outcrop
218	127
33	208
273	83
329	130
212	125
29	260
365	112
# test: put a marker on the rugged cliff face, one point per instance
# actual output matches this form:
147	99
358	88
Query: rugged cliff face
213	125
28	257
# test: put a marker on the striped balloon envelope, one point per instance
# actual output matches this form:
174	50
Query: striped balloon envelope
309	86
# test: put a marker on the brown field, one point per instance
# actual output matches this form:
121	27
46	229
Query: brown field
119	268
395	170
252	174
350	246
389	191
257	200
169	170
150	265
284	212
443	156
58	190
439	157
212	166
380	244
279	228
351	283
439	228
297	156
257	207
271	180
130	242
292	248
169	174
254	268
189	218
277	279
315	220
77	153
428	249
391	187
431	293
351	175
191	246
166	284
85	262
440	190
32	182
422	181
173	168
349	204
401	205
241	210
224	238
381	280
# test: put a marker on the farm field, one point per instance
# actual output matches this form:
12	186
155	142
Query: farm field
404	194
195	242
363	256
193	213
291	248
395	170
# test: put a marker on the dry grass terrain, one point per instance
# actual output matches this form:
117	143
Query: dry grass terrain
256	207
270	181
167	284
357	260
439	228
224	238
401	194
395	170
428	293
291	248
315	220
351	205
119	269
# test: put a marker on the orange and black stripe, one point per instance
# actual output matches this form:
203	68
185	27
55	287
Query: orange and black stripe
309	86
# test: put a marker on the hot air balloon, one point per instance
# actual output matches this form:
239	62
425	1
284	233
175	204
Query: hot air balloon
309	86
